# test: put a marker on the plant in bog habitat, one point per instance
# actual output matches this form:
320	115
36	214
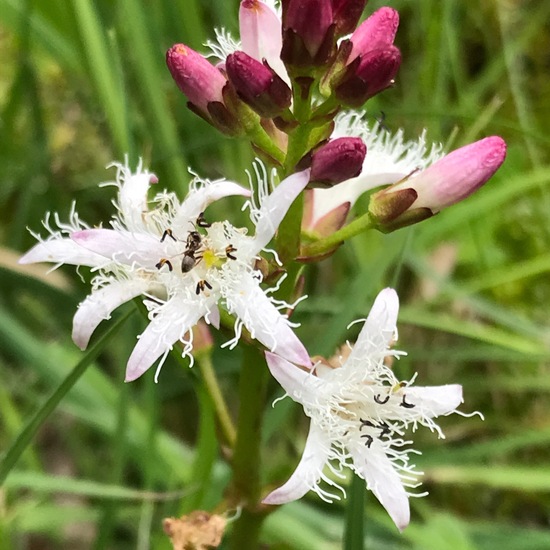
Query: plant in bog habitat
293	86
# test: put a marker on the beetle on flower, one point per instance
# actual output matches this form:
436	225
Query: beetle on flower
183	273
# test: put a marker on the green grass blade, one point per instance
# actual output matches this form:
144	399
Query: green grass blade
25	437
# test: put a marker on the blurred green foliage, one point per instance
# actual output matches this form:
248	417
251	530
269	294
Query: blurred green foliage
83	82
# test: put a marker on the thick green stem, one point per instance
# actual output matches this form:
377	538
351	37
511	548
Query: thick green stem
355	515
246	488
288	236
213	389
323	246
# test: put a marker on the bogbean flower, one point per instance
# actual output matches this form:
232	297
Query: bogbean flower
360	412
183	265
389	159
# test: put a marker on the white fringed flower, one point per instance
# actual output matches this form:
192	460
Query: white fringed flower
183	265
359	414
389	159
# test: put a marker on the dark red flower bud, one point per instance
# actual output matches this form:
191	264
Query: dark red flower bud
338	160
346	14
258	85
308	32
368	75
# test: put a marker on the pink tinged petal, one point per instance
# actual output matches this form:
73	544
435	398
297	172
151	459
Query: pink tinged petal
62	251
197	201
264	321
372	464
301	386
379	328
458	174
307	473
262	35
172	322
100	304
377	31
435	400
122	247
275	206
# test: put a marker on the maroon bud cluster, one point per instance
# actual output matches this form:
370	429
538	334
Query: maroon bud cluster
251	92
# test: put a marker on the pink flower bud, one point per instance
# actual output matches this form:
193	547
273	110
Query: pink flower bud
457	175
200	81
338	160
258	85
308	32
444	183
377	31
346	14
368	75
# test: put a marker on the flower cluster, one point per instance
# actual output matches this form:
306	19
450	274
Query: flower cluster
289	86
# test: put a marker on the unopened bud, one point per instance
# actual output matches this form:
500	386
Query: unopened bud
209	93
346	14
195	76
368	75
308	32
444	183
376	32
338	160
257	85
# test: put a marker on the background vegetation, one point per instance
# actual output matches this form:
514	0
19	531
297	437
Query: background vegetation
83	82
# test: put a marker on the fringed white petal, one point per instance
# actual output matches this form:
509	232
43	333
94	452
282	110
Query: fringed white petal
308	472
379	329
434	400
372	464
171	323
263	320
101	303
301	386
132	195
